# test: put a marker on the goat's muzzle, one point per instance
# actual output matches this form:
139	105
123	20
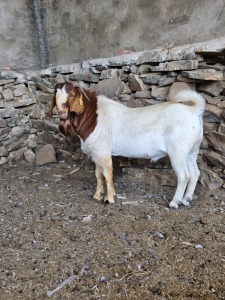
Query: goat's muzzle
63	111
63	115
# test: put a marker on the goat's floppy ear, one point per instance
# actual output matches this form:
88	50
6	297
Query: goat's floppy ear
76	102
53	104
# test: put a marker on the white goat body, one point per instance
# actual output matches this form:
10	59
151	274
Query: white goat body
171	128
146	132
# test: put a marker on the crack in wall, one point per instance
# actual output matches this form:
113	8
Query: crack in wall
38	19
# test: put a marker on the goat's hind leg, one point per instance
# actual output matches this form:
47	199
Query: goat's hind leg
181	170
194	175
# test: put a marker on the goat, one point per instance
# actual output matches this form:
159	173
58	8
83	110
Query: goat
107	128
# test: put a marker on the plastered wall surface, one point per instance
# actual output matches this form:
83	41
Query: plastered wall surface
18	48
76	30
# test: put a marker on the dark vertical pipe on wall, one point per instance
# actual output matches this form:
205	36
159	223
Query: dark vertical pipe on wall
38	19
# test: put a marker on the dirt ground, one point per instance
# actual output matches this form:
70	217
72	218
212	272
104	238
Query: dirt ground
137	248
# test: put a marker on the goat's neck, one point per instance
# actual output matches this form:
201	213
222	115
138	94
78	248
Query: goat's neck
85	123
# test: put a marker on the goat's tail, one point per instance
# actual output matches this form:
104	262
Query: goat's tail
192	99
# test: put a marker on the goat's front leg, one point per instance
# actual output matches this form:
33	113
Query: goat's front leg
105	163
108	174
100	183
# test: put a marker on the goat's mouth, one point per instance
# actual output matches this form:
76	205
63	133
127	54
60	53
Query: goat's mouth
63	115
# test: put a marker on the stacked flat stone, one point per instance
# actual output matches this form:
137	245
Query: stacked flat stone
134	79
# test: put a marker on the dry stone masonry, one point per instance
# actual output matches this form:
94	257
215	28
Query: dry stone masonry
134	79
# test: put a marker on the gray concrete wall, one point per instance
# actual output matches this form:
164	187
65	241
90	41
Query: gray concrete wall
77	30
18	47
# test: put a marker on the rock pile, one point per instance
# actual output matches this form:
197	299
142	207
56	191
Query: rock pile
134	79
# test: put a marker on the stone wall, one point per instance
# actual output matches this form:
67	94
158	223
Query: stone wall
74	30
135	79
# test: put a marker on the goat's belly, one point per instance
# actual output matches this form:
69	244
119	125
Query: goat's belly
149	148
139	152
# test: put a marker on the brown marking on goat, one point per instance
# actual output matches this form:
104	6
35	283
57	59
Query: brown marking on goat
82	114
87	121
75	101
65	127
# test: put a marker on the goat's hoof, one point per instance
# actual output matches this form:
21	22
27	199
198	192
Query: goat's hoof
105	202
185	202
173	204
189	199
108	201
98	197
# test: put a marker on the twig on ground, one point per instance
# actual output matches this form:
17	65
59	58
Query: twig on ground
74	171
65	282
125	199
59	176
135	202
